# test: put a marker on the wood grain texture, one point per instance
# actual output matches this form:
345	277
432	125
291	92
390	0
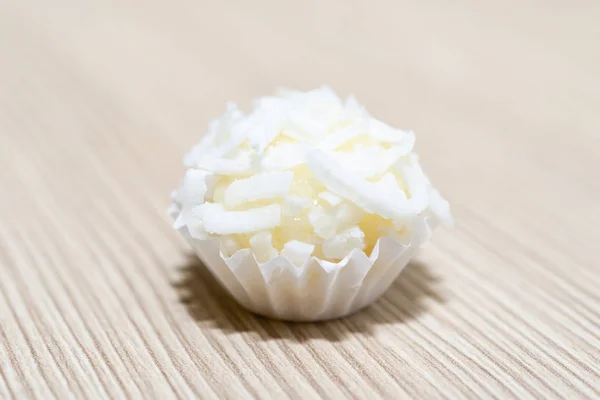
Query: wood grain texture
99	297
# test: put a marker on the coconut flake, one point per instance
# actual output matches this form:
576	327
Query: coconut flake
390	157
240	165
269	104
262	134
285	156
440	207
193	219
370	161
364	161
229	245
351	103
180	221
306	125
195	226
347	215
353	109
191	157
226	123
206	144
196	185
296	132
297	252
324	224
342	136
364	194
384	133
314	113
389	184
417	185
239	134
294	205
173	211
340	245
221	222
263	186
323	95
330	198
262	246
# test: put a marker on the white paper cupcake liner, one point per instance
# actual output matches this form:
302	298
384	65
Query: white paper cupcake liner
318	290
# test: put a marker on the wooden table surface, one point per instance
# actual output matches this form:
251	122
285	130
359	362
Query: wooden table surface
100	298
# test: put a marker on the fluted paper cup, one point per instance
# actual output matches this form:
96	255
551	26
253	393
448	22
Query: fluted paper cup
317	290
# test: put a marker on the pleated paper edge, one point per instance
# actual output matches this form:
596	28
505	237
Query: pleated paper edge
317	290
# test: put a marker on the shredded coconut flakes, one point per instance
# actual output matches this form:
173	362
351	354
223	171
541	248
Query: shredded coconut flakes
303	173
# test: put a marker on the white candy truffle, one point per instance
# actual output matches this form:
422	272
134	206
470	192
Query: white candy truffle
303	175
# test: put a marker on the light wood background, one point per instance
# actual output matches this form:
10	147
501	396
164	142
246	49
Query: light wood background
99	297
